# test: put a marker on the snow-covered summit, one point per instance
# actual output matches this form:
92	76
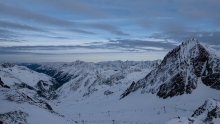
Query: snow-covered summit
181	70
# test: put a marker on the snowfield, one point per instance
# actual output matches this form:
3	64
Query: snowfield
136	108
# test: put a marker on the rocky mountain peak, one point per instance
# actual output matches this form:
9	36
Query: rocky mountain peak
7	65
181	70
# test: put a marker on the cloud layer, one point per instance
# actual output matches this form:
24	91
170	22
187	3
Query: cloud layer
47	27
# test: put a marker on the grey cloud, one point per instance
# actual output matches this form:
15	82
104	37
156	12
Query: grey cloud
8	52
173	26
180	32
27	15
106	27
24	14
29	50
93	43
76	7
197	9
122	45
164	24
146	23
210	38
6	24
9	40
81	31
8	36
49	36
203	12
20	48
190	9
128	43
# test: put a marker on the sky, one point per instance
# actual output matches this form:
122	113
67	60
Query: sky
103	30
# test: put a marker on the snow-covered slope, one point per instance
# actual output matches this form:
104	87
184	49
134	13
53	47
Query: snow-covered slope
136	108
84	78
17	107
181	70
24	78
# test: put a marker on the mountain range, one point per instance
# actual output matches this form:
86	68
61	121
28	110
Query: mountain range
185	83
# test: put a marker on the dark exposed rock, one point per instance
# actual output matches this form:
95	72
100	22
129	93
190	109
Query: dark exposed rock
174	87
40	88
3	85
214	113
6	86
59	77
24	85
48	107
212	80
128	91
17	117
21	98
107	92
8	65
211	108
45	90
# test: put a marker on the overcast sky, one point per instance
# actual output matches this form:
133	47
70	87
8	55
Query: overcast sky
103	30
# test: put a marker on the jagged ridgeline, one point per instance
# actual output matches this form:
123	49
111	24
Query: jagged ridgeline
87	77
181	70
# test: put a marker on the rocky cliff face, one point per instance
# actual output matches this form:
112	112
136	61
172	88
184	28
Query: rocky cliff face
181	70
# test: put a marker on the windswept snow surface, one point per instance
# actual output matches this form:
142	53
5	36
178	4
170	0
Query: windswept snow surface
136	108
